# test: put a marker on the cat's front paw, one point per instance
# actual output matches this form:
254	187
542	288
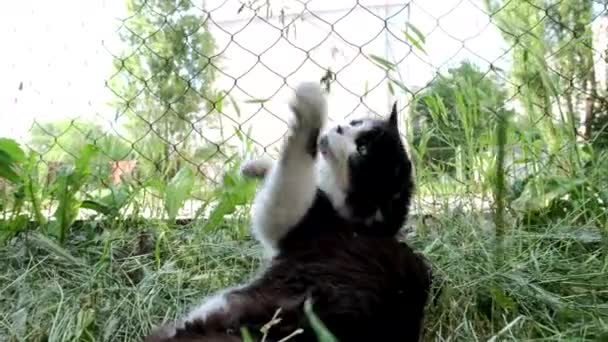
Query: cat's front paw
256	168
309	107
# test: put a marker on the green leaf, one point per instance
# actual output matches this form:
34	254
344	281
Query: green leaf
235	105
219	101
158	250
32	188
415	42
11	155
178	190
16	225
50	246
416	31
541	191
82	165
502	299
246	335
12	149
8	168
400	85
110	204
391	89
84	320
383	63
257	101
67	209
68	185
323	334
96	206
234	191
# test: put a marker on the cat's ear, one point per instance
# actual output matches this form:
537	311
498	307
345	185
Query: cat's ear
392	119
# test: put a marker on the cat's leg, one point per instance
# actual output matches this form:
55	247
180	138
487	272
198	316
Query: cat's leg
290	185
219	315
214	304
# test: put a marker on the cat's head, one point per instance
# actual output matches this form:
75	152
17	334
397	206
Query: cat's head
366	172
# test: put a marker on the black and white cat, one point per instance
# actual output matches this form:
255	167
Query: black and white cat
327	214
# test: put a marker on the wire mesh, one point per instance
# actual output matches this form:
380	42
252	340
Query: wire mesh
202	84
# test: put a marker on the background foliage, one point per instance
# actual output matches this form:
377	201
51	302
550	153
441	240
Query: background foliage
510	164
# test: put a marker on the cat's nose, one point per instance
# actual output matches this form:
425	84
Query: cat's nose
339	129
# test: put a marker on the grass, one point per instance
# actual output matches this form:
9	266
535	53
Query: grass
549	286
115	284
113	287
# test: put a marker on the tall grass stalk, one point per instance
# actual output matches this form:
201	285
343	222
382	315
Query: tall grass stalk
499	186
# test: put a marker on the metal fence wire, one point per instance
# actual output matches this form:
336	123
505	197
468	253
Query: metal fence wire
199	85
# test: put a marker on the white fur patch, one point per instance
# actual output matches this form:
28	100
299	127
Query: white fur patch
257	168
334	182
290	186
215	303
285	198
310	106
333	169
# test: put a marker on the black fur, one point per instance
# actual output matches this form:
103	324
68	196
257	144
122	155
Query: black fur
364	284
363	288
382	179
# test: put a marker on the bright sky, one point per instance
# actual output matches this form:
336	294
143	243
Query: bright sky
54	48
58	51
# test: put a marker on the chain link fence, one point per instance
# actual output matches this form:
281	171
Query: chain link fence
193	87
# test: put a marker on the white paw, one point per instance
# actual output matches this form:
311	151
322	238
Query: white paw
213	304
256	168
309	106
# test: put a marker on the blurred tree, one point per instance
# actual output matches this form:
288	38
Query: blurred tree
570	35
456	110
554	77
552	62
523	26
163	79
59	143
61	140
599	126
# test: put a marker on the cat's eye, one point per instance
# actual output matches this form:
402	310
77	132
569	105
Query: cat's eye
362	149
356	122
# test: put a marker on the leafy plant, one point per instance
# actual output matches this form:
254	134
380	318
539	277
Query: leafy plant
68	183
111	201
19	172
62	140
178	190
32	187
12	158
11	155
551	196
234	191
457	111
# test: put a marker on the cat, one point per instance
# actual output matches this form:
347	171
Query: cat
327	215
